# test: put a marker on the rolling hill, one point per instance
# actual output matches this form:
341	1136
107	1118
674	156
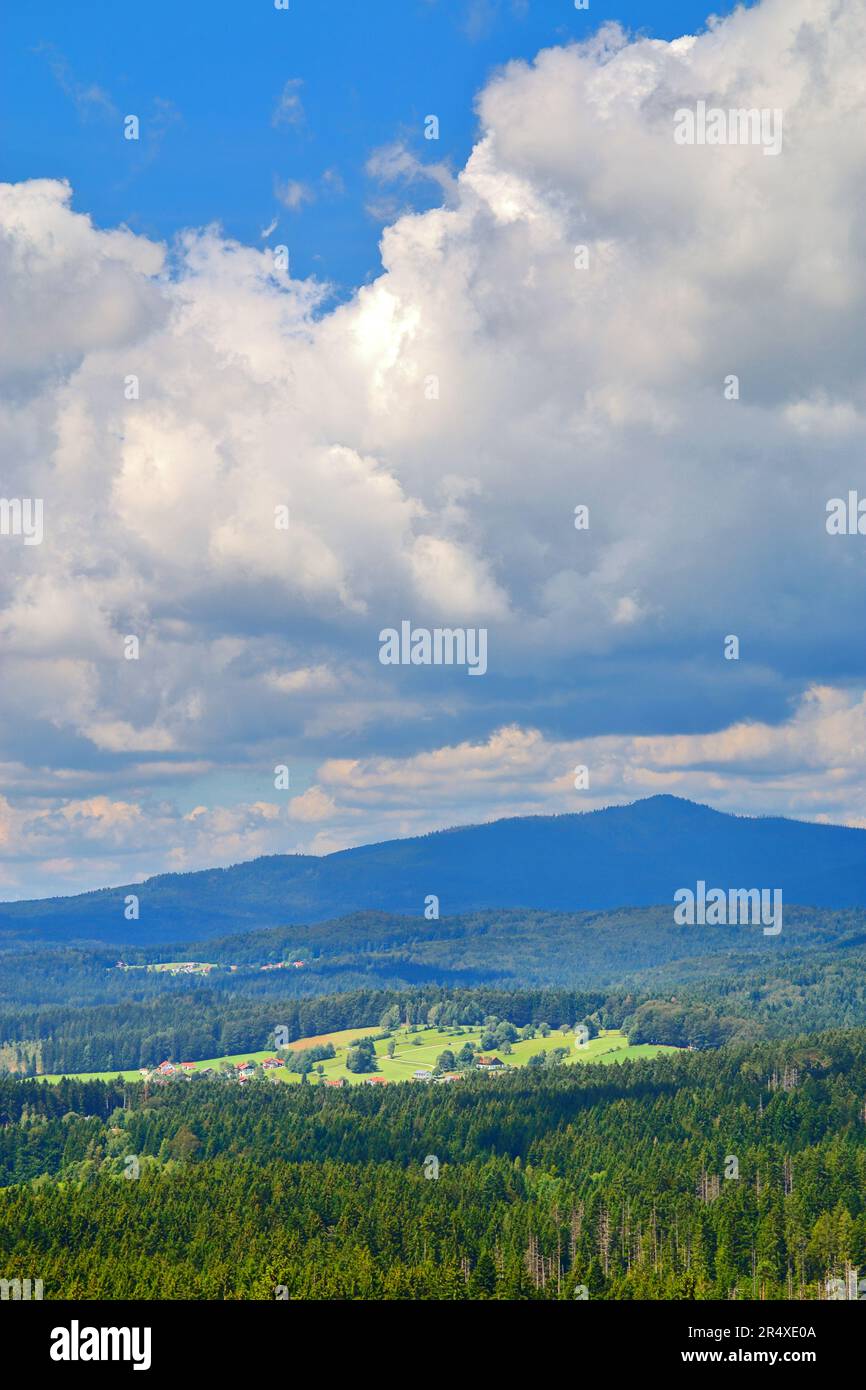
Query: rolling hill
623	856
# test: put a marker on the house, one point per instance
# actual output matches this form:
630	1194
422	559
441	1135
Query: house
298	964
165	1069
187	1066
488	1063
335	1081
449	1076
422	1075
272	1062
376	1080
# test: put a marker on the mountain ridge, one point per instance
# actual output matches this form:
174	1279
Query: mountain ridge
635	854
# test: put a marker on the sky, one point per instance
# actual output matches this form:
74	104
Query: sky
423	354
251	114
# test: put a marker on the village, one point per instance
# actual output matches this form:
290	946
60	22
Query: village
238	1071
199	967
244	1072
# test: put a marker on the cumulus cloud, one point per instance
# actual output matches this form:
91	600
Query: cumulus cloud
557	334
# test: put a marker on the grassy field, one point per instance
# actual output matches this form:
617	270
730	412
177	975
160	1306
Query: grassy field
418	1051
194	967
338	1039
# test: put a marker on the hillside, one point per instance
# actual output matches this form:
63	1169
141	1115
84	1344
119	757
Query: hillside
326	1192
622	856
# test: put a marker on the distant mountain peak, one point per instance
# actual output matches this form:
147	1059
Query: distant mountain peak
629	855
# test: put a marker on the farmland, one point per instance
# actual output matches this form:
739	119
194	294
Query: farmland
419	1050
415	1049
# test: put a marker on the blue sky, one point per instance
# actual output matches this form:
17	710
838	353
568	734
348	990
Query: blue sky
206	80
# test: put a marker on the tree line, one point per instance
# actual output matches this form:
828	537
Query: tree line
740	1173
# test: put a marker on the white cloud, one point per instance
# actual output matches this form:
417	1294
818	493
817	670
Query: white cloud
812	766
293	193
395	163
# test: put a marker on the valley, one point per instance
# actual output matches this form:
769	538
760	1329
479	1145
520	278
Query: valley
508	1102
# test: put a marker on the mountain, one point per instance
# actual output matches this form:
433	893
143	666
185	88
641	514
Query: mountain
635	855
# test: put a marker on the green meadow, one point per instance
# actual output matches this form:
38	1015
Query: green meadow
418	1050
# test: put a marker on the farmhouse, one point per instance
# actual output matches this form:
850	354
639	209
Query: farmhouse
422	1076
165	1068
270	1062
335	1081
488	1063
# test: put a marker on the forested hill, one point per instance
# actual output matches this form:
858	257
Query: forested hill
739	1174
69	1008
635	855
